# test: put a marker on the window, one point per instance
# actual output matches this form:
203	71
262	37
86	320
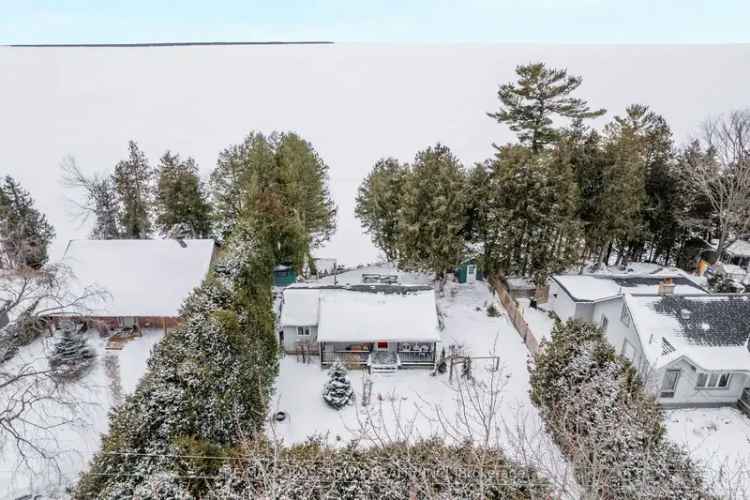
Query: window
625	315
605	322
303	331
669	385
716	380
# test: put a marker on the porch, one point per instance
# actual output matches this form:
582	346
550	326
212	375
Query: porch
369	354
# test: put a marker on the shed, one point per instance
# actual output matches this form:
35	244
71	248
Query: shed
284	275
469	271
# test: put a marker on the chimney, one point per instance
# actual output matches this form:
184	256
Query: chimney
665	287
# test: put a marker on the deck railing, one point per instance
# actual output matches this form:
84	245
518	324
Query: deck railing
354	358
416	358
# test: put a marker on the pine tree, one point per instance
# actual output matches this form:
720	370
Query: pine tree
71	355
133	182
181	198
338	390
432	215
541	94
25	233
378	203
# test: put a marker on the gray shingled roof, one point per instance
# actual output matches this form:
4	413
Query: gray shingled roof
709	320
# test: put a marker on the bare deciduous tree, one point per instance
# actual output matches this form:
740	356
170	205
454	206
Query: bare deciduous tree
722	174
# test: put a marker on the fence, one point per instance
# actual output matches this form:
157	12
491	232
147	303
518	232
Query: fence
515	313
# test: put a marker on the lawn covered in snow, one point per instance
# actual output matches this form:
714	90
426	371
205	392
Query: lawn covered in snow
412	402
719	438
79	436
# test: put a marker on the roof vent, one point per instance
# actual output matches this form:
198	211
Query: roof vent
685	314
666	347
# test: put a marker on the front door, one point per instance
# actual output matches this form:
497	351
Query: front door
669	385
381	346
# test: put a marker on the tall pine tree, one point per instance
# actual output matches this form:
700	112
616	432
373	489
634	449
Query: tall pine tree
133	182
181	199
25	233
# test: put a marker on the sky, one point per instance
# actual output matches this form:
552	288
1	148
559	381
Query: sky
356	103
383	21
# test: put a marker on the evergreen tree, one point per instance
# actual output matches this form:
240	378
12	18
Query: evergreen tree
532	229
541	94
338	390
181	198
280	176
133	182
378	203
432	215
25	233
71	355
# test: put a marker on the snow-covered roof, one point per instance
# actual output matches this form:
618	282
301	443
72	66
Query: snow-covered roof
363	313
351	316
710	330
739	248
595	287
141	277
300	307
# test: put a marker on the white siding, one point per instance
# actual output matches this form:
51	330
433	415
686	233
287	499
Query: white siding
686	394
561	302
618	332
291	337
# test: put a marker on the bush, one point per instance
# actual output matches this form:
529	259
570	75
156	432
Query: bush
425	469
338	390
597	410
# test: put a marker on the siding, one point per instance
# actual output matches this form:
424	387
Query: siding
687	395
560	301
291	337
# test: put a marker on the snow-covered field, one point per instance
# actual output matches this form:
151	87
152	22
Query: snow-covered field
79	437
720	439
414	403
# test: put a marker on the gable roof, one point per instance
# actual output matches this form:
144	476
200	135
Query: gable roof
363	313
596	287
739	248
710	330
141	277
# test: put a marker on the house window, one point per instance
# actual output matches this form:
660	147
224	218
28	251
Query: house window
605	322
625	315
715	380
669	385
628	352
303	331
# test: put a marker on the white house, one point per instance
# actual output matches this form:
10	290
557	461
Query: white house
362	325
691	350
576	295
145	281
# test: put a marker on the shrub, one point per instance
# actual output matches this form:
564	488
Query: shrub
597	410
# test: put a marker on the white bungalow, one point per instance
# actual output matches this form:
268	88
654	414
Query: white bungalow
362	325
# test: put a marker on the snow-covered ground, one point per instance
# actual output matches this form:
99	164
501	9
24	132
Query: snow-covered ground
719	438
408	403
79	437
538	319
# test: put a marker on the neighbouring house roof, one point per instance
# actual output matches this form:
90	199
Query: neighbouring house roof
364	313
739	248
710	330
595	287
141	277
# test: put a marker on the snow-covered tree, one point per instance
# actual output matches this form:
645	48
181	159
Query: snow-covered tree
181	198
25	233
100	200
338	391
71	355
133	182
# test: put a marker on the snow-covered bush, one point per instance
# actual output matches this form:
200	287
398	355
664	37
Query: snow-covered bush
338	390
210	379
71	355
424	469
595	407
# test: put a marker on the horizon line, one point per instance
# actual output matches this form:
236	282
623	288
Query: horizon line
163	44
